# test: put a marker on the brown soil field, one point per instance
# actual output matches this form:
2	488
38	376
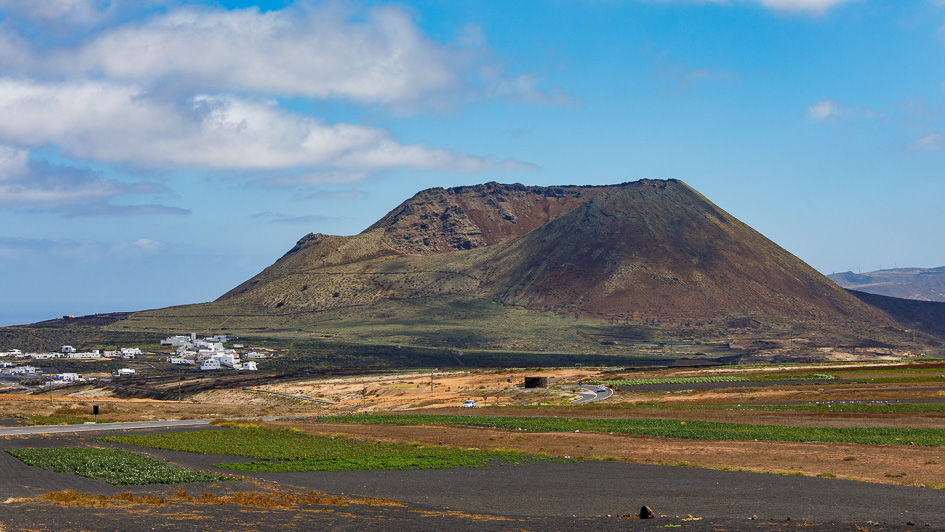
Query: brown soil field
884	464
400	392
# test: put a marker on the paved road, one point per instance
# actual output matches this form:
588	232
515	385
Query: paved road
590	394
90	427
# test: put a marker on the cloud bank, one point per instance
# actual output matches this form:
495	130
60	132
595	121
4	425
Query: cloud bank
209	89
816	7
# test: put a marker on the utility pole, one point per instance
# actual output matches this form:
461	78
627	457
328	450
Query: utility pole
178	385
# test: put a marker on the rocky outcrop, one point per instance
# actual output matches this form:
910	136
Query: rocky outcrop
440	220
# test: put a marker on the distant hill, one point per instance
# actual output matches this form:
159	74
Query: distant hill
921	284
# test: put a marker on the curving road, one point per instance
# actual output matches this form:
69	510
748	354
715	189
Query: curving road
590	394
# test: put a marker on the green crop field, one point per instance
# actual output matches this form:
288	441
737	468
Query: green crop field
284	450
114	466
698	430
676	380
709	379
821	407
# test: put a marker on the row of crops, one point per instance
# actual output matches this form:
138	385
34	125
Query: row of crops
272	450
699	430
114	466
711	379
281	450
677	380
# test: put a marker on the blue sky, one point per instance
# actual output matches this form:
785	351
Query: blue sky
161	152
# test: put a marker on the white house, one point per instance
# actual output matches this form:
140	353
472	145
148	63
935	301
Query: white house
209	364
249	365
227	359
179	340
181	360
130	352
67	377
253	354
93	354
68	349
125	372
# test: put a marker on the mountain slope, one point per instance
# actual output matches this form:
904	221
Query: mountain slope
926	316
435	221
660	249
921	284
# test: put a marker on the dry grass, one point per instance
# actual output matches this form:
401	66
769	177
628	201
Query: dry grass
377	501
462	515
277	499
74	498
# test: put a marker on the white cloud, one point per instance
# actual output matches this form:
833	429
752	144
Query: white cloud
328	51
198	88
104	209
75	10
525	89
324	52
13	163
123	124
813	6
23	184
792	6
26	184
27	249
830	110
931	142
825	110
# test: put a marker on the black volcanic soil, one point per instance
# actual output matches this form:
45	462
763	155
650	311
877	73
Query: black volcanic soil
543	496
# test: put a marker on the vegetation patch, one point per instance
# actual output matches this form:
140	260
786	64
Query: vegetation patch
114	466
64	420
677	380
711	379
287	450
835	406
56	420
698	430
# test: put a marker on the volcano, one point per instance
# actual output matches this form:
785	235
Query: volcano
650	249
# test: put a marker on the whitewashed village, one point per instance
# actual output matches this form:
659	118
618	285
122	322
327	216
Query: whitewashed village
205	354
209	353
